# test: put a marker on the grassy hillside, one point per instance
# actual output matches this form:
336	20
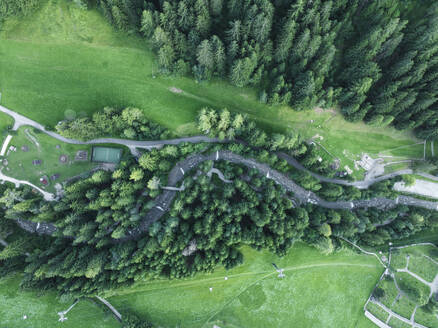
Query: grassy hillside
41	309
318	291
64	58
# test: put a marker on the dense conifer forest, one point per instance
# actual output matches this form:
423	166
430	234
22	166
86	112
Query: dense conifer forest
95	247
377	60
16	8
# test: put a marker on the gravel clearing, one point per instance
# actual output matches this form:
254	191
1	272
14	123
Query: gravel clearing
420	187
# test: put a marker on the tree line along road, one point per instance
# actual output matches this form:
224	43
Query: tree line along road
164	200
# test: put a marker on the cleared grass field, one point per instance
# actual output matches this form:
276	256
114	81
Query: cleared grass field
44	148
424	267
396	323
63	58
41	310
391	293
404	307
318	291
377	311
424	318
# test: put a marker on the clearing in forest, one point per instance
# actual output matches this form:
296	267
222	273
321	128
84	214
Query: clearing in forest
43	160
65	58
317	291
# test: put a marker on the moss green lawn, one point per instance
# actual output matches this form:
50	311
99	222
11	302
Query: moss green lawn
20	163
41	310
63	58
5	122
318	291
396	323
430	236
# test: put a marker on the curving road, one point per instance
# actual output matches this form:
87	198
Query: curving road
47	196
176	175
362	184
164	200
21	120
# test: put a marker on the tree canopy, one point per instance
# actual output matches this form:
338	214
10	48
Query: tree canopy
377	60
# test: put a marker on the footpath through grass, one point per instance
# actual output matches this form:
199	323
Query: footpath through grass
47	150
318	291
5	122
41	310
64	58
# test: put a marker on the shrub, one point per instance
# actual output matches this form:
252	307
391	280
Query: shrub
409	180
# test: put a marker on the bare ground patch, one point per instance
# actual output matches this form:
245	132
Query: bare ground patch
175	90
420	187
320	110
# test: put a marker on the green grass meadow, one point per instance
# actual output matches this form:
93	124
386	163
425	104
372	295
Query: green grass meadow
318	291
64	58
430	236
5	122
20	163
41	310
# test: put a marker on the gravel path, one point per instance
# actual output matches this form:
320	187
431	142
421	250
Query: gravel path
109	306
363	251
21	120
47	196
163	201
434	286
219	174
376	321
